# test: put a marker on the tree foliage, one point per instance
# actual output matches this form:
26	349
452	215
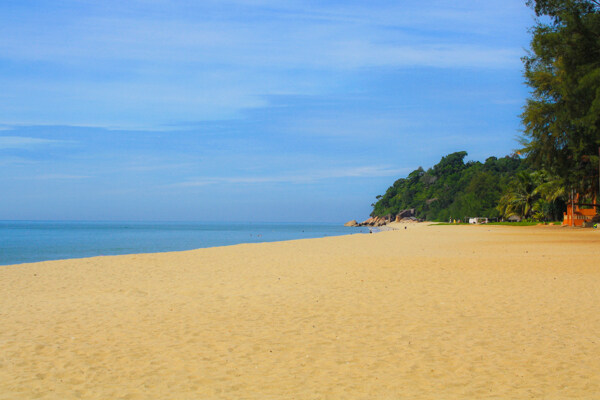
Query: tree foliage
561	133
452	188
562	117
533	195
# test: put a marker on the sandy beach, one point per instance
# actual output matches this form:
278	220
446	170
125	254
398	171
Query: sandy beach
427	312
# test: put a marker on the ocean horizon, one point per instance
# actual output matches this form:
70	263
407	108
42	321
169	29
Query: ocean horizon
34	241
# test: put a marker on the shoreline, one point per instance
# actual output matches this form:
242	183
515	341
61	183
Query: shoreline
429	312
179	251
29	242
394	226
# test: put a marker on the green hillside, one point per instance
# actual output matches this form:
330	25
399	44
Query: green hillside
452	188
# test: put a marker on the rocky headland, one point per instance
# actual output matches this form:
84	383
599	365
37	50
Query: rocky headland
378	221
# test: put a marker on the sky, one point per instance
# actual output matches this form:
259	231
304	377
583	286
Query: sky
246	110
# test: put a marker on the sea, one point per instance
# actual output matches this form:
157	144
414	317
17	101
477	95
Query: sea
32	241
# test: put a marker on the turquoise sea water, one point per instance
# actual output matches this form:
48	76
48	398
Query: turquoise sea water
31	241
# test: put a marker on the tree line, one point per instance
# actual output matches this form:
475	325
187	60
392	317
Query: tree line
561	140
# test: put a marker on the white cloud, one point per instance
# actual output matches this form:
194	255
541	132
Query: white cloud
150	63
364	54
13	160
145	47
23	142
301	177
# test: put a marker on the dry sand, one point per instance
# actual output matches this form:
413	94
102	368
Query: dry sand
430	312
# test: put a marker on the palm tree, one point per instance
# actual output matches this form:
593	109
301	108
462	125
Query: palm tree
521	196
534	195
551	187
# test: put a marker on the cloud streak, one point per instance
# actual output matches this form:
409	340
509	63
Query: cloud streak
22	142
298	178
116	64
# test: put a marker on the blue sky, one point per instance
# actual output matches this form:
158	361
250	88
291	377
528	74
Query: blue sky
254	110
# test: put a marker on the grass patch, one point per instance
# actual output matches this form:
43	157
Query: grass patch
525	223
522	223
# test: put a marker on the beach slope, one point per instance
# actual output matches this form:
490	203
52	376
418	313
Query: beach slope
427	312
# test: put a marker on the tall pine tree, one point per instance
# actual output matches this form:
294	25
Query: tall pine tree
562	117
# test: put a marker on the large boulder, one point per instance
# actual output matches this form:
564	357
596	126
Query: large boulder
380	221
351	223
374	221
367	222
405	214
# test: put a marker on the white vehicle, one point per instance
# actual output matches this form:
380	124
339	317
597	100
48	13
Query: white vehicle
478	220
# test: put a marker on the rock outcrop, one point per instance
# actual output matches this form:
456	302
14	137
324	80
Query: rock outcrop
402	216
410	213
375	221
